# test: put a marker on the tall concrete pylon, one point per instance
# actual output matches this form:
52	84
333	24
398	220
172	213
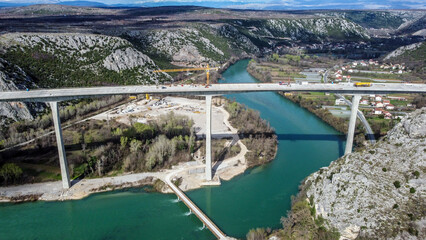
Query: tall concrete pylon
61	149
208	137
352	122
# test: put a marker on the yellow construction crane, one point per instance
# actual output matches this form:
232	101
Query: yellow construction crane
207	69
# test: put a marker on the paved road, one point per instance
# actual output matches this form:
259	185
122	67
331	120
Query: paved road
215	89
364	121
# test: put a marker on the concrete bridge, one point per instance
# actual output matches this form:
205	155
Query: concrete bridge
53	96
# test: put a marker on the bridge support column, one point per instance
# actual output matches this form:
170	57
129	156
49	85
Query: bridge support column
208	138
61	149
352	123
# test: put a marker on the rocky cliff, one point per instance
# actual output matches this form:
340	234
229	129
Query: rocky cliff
377	193
402	50
194	44
306	29
13	78
72	59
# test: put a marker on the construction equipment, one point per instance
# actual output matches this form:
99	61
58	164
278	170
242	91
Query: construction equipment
363	84
207	69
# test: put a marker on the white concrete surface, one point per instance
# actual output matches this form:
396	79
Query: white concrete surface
61	149
352	121
48	95
208	138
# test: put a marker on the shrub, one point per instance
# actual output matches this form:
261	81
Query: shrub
412	190
397	184
256	234
10	171
416	174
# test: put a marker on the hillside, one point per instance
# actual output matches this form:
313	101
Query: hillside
73	60
13	78
413	56
306	30
417	27
376	193
377	19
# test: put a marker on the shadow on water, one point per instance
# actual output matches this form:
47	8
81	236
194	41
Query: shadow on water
315	137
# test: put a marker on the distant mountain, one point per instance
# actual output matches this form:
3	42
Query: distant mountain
413	27
248	4
83	4
8	4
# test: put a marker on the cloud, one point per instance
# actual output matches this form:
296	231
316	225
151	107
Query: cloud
377	6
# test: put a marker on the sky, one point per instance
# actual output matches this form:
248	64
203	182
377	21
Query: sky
265	4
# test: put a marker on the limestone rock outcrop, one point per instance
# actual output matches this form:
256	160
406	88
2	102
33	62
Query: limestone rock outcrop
379	192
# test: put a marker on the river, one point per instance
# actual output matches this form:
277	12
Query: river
257	198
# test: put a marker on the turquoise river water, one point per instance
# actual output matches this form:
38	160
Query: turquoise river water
257	198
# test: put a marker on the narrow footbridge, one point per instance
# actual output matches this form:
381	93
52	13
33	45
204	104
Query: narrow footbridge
193	208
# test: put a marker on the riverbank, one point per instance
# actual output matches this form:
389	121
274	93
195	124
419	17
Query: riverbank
259	197
191	173
313	104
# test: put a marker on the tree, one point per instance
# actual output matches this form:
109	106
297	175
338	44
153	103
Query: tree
123	141
10	171
144	131
135	145
159	152
256	234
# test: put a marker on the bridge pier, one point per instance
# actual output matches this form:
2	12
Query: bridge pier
208	138
352	123
61	149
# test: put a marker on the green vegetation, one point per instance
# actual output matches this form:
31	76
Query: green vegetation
59	67
313	104
21	131
374	19
415	61
416	174
95	148
397	184
303	223
381	126
412	190
258	136
305	29
10	173
275	68
256	234
217	40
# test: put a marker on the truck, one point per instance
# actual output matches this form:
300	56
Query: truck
363	84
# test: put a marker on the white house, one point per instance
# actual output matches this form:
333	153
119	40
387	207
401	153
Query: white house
379	104
387	114
390	107
386	102
340	101
364	102
378	111
378	98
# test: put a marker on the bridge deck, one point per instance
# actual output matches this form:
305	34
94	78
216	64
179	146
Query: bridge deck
206	220
50	95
